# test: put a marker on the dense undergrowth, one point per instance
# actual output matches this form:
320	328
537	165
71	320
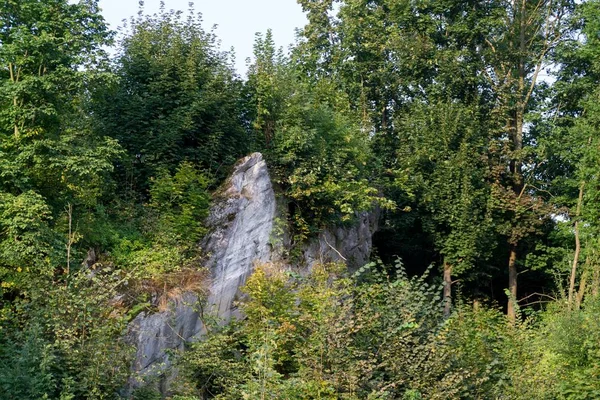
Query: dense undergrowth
379	334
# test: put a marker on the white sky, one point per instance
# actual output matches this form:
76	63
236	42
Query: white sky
237	20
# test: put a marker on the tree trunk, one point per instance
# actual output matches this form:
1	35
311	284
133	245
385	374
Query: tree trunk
596	281
581	292
14	79
512	283
447	289
517	141
577	246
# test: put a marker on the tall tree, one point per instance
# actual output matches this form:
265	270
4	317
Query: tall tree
269	80
518	47
55	322
318	38
49	157
316	149
489	54
177	99
444	148
573	143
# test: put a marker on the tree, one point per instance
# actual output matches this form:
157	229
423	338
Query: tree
444	147
314	145
573	144
64	340
177	99
269	86
518	47
487	55
182	201
55	321
49	157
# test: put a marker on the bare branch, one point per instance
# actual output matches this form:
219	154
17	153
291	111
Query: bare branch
537	294
491	45
334	249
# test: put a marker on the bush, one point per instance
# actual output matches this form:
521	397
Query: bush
162	259
320	156
64	340
326	335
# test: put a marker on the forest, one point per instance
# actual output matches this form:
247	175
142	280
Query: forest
470	127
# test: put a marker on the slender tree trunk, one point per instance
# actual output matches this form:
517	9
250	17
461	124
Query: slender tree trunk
581	292
476	305
517	141
71	238
596	281
577	246
447	289
512	283
518	189
14	79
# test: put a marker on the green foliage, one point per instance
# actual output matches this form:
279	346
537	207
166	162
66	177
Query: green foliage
442	155
176	99
171	227
269	86
49	158
381	336
64	340
25	223
44	137
155	247
432	110
146	393
316	149
322	157
325	336
569	340
182	203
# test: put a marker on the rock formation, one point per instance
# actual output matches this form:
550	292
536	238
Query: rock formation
241	224
351	244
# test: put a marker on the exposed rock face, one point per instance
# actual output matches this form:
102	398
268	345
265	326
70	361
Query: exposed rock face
154	334
351	244
241	224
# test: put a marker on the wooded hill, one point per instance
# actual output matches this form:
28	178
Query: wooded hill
472	125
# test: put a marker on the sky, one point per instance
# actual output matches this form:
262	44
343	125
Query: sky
237	20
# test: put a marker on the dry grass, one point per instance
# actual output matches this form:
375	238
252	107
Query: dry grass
169	288
176	284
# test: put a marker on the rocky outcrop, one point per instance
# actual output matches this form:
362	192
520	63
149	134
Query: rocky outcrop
352	243
242	225
155	334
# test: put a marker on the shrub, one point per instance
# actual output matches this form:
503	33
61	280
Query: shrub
64	340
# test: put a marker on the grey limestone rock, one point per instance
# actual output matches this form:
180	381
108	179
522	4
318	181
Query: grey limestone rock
241	228
240	223
351	244
154	334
